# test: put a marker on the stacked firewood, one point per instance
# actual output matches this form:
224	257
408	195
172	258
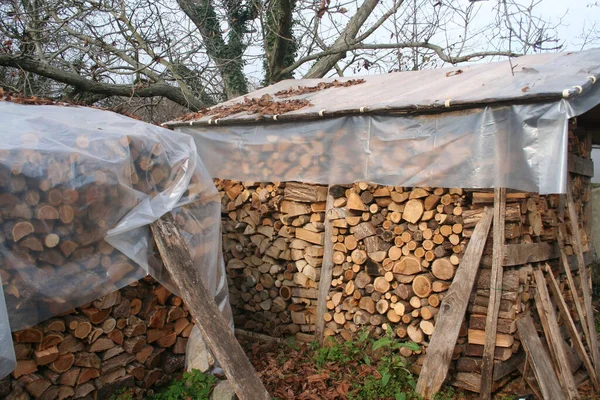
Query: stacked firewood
395	254
134	337
58	199
56	207
273	237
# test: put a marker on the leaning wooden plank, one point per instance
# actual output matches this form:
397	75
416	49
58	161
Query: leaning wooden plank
539	360
572	287
326	274
585	288
202	306
491	323
572	329
546	311
452	312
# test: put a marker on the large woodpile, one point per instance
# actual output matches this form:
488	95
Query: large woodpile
57	202
134	337
273	243
56	207
394	252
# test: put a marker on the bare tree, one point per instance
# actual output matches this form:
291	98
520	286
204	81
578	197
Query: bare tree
196	53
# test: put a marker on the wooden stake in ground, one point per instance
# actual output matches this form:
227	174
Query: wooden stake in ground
202	306
452	312
547	313
491	323
539	360
587	297
326	273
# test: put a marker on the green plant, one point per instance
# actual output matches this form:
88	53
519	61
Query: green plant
387	375
446	393
123	394
194	385
395	381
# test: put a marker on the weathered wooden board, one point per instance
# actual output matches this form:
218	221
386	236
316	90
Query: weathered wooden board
326	275
495	294
581	166
452	312
547	313
207	316
571	328
585	288
539	360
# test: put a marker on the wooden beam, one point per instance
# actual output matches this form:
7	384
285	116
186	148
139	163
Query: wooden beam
571	328
580	166
326	273
539	360
491	323
547	313
452	313
585	288
525	253
207	316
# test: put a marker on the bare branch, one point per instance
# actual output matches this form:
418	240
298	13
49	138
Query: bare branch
439	50
31	64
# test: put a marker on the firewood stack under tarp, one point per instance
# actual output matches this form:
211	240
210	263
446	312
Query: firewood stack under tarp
135	337
75	202
394	253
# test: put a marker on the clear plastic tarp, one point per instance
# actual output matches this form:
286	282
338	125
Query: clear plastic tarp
78	189
521	147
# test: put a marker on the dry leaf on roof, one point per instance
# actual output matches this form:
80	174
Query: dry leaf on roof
19	98
260	106
321	86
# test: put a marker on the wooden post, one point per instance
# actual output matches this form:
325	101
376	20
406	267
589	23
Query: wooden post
572	329
491	323
451	314
539	360
547	313
585	288
207	316
326	273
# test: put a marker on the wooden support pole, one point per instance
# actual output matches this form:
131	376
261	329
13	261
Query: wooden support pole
452	312
539	360
547	313
207	316
326	273
585	288
572	329
491	323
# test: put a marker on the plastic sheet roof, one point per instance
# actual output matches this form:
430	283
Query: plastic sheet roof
526	79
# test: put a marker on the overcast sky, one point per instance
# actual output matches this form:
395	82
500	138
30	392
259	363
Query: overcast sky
575	15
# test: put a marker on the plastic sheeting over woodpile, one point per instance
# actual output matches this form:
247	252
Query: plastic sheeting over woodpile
78	189
491	142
